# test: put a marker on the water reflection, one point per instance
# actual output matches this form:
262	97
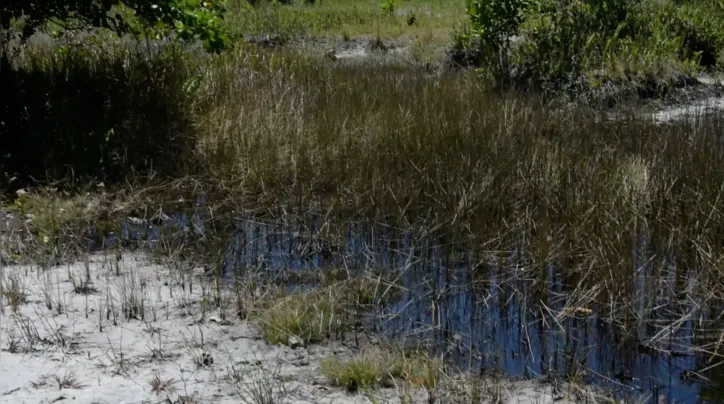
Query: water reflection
492	318
483	320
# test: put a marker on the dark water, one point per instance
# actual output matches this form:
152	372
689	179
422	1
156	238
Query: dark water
490	318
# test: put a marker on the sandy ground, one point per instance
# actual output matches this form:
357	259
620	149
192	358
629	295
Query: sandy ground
85	349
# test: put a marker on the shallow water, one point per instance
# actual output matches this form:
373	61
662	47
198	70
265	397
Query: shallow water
707	101
480	318
697	109
487	318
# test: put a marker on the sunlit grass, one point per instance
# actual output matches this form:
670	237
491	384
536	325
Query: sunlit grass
433	20
321	313
404	147
383	367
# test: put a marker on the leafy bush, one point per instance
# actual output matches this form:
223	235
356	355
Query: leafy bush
567	37
698	26
188	19
493	23
388	7
563	42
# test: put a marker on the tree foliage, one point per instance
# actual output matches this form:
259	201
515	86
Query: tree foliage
581	44
494	23
188	19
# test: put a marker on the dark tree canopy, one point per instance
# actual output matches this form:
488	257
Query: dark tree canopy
187	18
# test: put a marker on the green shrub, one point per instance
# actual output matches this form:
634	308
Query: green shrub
566	35
388	7
561	42
493	24
183	19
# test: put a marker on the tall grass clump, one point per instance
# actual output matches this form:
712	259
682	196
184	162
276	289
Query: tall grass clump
302	318
325	312
383	367
93	108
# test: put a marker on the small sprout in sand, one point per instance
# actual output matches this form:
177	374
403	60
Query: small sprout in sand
236	375
68	381
27	330
187	399
265	386
118	360
133	308
13	346
85	289
14	294
158	349
248	298
470	389
41	382
81	286
159	385
203	359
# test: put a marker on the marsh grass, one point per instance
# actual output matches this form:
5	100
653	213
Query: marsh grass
379	142
67	381
524	183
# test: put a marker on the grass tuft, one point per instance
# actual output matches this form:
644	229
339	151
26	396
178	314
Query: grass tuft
383	368
363	371
159	385
68	381
305	318
325	312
